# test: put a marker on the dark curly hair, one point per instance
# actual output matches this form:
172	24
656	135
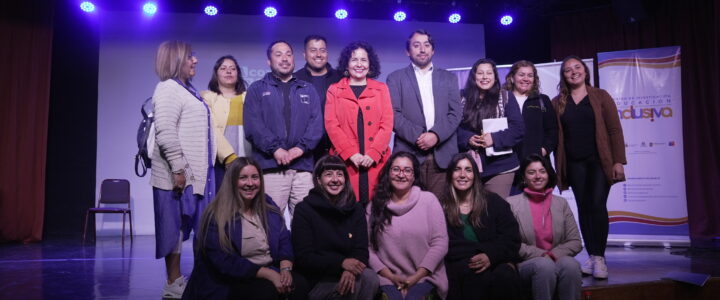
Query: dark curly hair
346	54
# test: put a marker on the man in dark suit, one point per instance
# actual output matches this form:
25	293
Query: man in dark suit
426	101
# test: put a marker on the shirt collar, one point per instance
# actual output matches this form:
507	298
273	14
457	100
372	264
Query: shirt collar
417	69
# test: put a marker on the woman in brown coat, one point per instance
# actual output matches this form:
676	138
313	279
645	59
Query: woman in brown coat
590	155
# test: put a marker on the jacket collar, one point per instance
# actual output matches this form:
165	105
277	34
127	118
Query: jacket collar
317	200
346	92
272	80
330	71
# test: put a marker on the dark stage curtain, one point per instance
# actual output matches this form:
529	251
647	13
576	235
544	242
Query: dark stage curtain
26	39
695	26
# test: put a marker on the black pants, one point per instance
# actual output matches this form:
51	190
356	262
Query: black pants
591	189
500	281
262	289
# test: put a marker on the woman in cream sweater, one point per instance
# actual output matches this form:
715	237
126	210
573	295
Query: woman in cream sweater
225	97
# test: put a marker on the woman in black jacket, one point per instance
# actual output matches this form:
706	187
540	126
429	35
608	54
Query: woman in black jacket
484	237
541	129
329	235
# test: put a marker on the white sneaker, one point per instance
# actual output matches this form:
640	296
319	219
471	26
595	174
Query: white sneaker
600	268
176	289
587	266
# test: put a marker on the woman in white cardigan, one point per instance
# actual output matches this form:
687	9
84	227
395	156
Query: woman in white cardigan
550	236
182	175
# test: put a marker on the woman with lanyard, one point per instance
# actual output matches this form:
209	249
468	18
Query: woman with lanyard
541	128
182	174
484	100
359	118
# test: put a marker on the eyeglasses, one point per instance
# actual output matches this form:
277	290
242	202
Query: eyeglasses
192	54
398	170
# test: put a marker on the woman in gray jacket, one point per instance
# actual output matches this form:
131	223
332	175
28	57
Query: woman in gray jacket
550	237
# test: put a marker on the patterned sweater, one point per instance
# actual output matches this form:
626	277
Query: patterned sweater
181	137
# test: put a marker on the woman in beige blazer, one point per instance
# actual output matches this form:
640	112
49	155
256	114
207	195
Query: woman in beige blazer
550	237
225	97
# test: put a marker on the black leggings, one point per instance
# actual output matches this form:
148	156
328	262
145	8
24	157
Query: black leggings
591	189
262	289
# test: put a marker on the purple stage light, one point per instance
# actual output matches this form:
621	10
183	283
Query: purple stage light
211	10
506	20
87	6
150	8
341	14
400	16
454	18
270	12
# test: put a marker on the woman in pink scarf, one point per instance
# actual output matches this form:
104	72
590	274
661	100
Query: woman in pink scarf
550	237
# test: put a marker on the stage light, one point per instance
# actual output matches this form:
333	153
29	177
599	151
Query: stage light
341	14
454	18
211	10
87	6
150	8
270	12
506	20
400	16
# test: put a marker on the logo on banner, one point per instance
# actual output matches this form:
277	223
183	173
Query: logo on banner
651	113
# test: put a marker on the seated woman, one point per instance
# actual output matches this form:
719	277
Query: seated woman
329	235
243	248
484	239
408	238
550	237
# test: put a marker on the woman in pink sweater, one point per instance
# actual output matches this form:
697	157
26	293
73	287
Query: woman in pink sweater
408	237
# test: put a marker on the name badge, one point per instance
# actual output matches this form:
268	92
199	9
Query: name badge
304	99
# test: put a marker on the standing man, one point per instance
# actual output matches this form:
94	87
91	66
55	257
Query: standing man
283	122
321	75
426	101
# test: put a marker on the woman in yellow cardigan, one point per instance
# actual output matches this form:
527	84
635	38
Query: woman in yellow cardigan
225	99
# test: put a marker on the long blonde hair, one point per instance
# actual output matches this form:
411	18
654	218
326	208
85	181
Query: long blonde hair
228	206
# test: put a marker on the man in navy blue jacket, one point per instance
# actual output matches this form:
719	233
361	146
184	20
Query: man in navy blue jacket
284	123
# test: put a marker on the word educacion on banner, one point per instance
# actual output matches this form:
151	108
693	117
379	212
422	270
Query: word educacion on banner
651	113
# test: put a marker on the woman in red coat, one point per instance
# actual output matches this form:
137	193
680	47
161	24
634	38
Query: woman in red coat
359	117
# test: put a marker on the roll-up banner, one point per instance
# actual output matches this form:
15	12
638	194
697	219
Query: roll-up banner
651	205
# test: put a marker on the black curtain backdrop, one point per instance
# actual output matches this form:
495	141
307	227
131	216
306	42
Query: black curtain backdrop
72	130
694	26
